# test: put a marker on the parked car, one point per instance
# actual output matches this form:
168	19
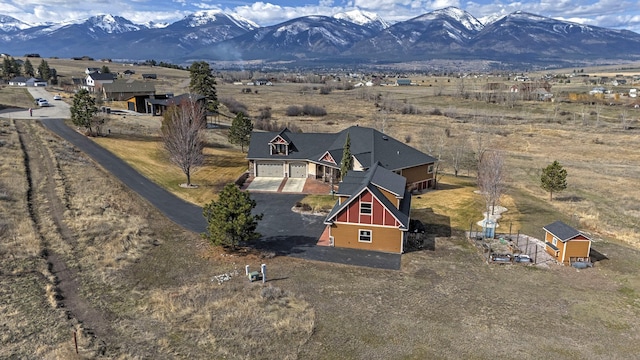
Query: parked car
57	97
522	258
43	103
37	100
502	258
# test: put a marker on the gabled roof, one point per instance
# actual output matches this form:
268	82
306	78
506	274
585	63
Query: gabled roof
563	231
126	86
357	182
368	145
101	76
283	135
19	79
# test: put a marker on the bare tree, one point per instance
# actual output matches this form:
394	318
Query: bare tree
183	136
434	143
492	178
458	153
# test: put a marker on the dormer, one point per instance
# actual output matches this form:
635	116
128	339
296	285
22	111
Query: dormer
281	144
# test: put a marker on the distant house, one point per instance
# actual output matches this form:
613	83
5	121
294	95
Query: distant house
149	76
24	81
403	82
542	95
372	211
566	244
128	72
95	81
157	105
121	90
91	70
263	81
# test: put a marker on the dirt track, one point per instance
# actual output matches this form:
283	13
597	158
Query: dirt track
45	207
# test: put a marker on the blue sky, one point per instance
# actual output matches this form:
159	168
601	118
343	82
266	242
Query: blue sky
618	14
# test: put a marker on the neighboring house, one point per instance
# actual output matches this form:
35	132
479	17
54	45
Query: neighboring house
566	244
24	81
149	76
542	95
95	81
372	211
91	70
121	90
403	82
18	81
317	155
158	104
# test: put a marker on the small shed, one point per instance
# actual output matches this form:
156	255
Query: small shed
566	244
403	82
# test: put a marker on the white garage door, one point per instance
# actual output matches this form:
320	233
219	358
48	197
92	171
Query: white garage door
271	169
298	170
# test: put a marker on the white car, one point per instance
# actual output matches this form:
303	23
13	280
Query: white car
43	103
57	97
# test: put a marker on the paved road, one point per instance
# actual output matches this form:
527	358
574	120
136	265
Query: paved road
284	232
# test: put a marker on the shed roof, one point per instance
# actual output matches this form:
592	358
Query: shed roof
563	231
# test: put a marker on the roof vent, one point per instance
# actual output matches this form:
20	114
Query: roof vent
385	137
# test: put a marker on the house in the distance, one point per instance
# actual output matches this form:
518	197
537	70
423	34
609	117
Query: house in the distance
121	90
319	155
566	244
25	81
95	81
372	211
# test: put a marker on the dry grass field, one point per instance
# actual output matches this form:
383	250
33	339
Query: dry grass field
82	253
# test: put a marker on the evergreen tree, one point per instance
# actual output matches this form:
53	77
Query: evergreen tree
553	179
347	160
44	71
28	68
105	69
229	220
83	111
203	83
10	68
240	130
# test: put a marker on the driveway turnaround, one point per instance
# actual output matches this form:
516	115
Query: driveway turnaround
283	231
294	185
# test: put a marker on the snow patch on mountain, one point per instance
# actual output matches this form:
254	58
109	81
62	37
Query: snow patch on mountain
204	17
467	20
361	17
10	24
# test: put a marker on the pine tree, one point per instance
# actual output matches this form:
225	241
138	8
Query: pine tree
105	69
44	71
83	111
347	160
229	220
28	68
553	179
203	83
240	130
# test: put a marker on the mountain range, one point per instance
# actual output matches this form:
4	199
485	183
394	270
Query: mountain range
355	38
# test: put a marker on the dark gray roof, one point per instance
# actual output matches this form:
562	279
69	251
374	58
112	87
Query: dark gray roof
562	231
356	182
175	99
101	76
368	146
130	87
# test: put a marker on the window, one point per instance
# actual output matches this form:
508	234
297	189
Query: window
365	236
365	208
555	241
430	169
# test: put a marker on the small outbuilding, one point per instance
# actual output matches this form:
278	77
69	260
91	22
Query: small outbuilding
566	244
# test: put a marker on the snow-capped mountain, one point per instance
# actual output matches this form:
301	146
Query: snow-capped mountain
355	37
9	24
302	38
363	18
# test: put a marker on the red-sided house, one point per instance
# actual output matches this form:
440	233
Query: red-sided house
372	211
566	244
318	155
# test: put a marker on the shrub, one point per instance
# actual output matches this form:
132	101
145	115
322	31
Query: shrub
436	111
235	106
272	293
325	90
265	113
294	110
313	110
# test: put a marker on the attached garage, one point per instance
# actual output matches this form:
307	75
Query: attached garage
298	170
270	169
